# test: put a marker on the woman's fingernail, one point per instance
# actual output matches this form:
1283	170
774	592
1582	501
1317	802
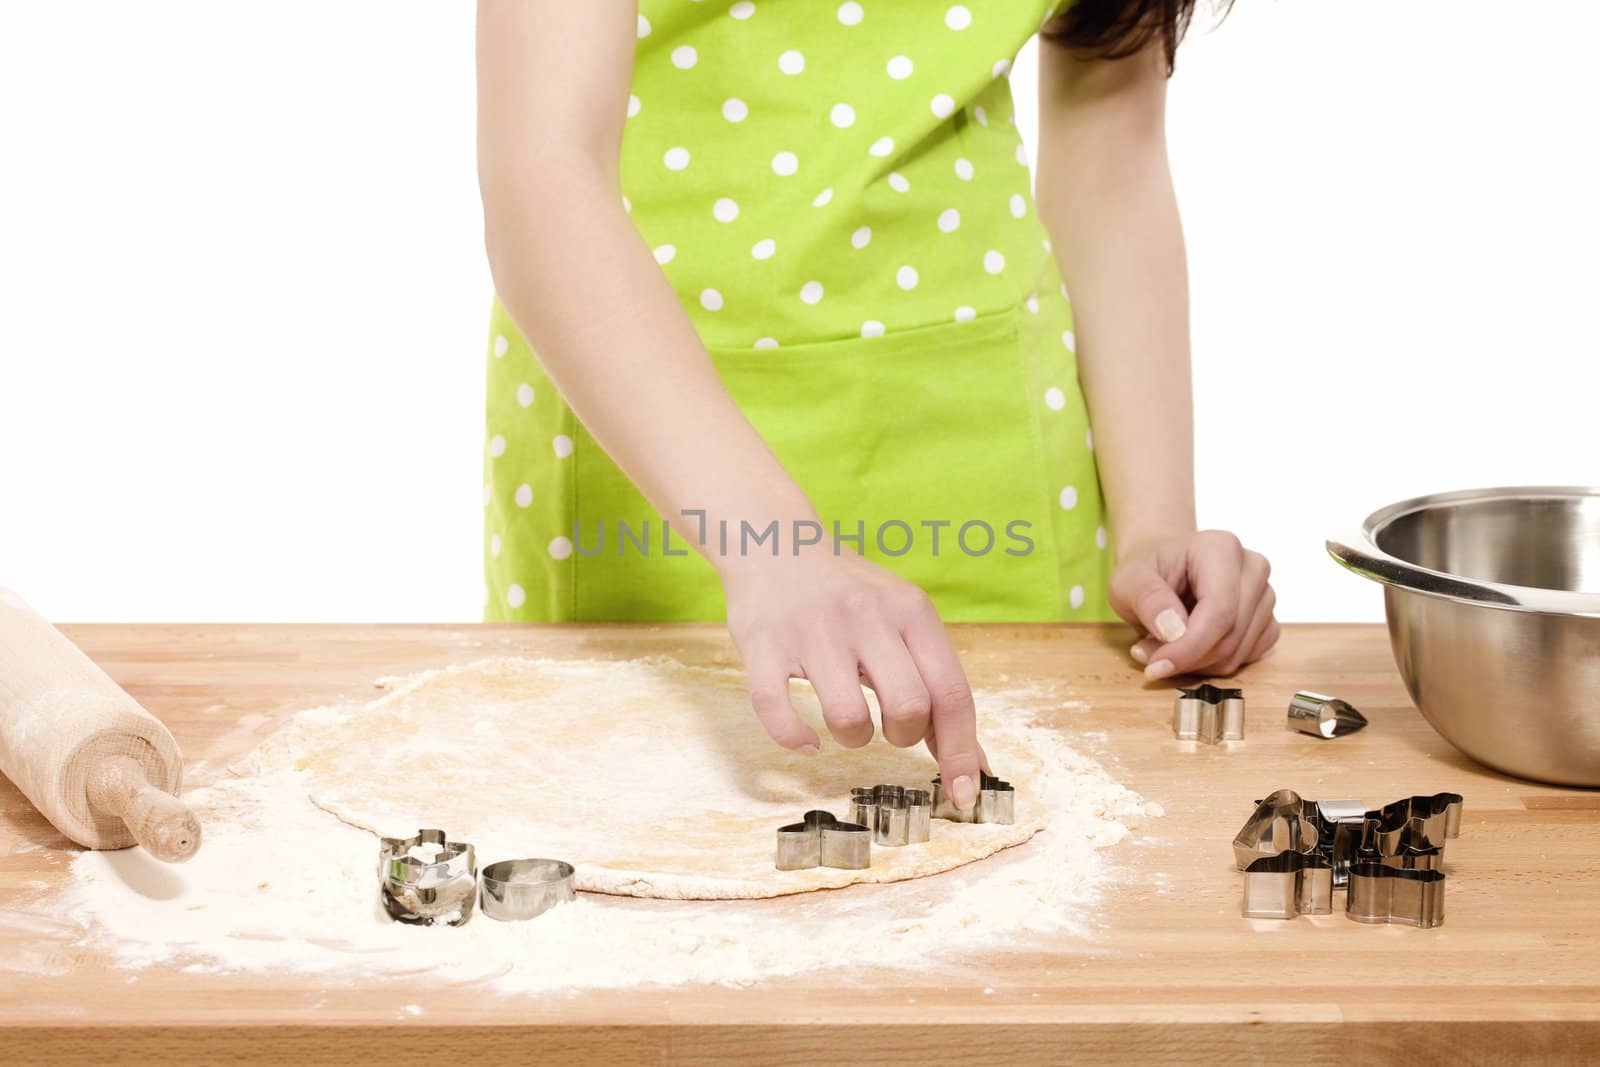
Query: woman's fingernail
808	750
1169	626
1159	669
963	792
1138	653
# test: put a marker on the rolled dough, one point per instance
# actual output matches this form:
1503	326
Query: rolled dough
651	776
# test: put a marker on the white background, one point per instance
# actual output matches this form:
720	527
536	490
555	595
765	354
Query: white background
243	299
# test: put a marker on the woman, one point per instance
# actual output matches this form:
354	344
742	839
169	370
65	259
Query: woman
788	289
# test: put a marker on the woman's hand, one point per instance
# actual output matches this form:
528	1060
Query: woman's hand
1202	599
839	620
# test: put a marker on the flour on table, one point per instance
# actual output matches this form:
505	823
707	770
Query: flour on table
282	884
652	777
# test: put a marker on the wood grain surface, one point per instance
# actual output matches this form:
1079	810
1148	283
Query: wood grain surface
1173	974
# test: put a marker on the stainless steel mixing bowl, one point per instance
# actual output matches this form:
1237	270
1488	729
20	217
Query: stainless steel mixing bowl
1493	601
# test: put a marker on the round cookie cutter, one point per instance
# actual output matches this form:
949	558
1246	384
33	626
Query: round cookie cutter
514	890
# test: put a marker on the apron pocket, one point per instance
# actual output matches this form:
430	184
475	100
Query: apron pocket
922	446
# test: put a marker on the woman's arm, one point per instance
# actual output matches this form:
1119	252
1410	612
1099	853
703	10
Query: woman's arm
579	280
1105	192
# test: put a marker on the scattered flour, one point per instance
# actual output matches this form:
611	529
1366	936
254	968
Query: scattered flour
281	885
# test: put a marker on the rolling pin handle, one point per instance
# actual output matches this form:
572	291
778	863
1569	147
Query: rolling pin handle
159	821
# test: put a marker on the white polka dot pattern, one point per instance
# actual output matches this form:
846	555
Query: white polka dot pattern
843	171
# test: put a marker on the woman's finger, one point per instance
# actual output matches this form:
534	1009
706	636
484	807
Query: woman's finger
1269	637
769	695
836	677
1229	653
932	742
953	718
1250	636
1215	559
1144	598
902	698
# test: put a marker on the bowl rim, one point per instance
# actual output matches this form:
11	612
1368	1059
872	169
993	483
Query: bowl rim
1359	552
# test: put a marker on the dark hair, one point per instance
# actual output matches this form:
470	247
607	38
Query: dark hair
1115	29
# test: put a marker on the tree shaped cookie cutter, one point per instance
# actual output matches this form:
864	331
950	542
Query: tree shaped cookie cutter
1209	714
821	840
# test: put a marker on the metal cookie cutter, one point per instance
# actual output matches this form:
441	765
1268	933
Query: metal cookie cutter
1278	825
438	889
1388	859
820	840
1288	884
1383	894
1414	824
512	890
1209	714
997	802
896	816
1323	716
1283	822
1340	828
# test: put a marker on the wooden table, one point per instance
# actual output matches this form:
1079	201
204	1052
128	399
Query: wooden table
1175	976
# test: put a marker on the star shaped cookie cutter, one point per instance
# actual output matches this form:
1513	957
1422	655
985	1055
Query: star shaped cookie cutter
821	840
1209	714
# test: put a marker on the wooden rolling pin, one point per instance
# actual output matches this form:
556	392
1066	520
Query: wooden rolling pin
103	770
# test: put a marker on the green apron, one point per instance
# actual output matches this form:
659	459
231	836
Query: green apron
840	197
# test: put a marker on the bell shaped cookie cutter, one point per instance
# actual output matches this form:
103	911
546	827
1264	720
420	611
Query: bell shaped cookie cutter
997	802
1209	714
896	815
821	840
